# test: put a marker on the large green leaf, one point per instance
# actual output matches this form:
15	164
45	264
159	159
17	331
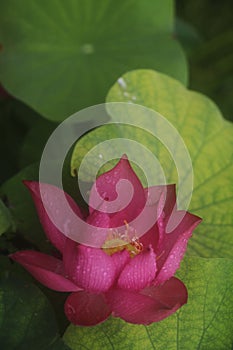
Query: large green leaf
207	136
35	141
204	323
21	207
59	56
26	318
6	221
108	132
13	127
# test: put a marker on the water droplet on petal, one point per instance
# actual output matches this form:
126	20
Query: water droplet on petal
71	310
108	179
66	226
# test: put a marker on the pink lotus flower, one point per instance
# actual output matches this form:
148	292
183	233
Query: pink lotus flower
133	280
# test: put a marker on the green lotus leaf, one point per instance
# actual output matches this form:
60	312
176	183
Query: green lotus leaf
60	56
6	221
27	319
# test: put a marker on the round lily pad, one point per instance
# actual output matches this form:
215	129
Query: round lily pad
61	56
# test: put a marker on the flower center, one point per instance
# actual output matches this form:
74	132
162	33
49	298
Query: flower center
117	242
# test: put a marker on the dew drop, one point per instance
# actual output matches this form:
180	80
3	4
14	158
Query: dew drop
71	310
122	83
108	179
87	49
66	226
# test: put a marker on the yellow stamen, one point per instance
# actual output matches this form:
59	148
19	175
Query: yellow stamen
117	242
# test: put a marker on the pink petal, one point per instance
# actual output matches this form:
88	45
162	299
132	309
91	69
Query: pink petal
86	309
90	268
46	269
98	219
139	272
174	245
106	186
120	259
163	200
152	304
150	238
169	201
54	204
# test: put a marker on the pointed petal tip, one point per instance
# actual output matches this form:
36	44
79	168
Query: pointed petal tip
127	200
174	246
32	186
124	156
20	255
46	269
194	220
28	183
198	219
12	256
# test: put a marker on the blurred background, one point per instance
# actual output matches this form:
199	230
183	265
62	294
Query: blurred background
205	30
